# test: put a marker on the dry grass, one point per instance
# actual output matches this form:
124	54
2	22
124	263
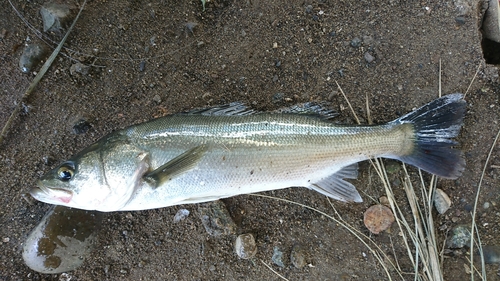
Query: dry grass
417	230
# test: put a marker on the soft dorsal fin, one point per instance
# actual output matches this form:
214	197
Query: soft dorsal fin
337	188
310	108
232	109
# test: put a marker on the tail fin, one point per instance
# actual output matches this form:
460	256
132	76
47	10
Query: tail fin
435	124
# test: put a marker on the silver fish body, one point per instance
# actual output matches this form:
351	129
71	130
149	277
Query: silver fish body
191	158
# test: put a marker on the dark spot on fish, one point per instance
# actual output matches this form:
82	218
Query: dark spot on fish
251	172
223	158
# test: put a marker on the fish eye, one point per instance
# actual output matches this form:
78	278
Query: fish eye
65	172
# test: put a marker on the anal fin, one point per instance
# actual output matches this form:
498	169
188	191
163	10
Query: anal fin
336	187
180	164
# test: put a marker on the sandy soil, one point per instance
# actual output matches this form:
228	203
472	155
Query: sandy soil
267	54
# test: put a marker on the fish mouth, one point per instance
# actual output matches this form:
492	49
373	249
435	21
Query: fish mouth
51	195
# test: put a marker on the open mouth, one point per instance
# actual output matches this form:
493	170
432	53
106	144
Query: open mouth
51	195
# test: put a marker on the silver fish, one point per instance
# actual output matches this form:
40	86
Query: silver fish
222	152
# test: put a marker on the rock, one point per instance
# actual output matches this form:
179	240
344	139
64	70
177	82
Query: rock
62	240
378	218
356	42
491	21
157	98
81	126
245	246
369	58
459	237
384	201
278	257
491	254
278	97
460	20
441	201
31	57
367	40
79	68
216	219
298	257
181	215
55	16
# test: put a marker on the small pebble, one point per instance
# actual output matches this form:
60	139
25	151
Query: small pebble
79	68
81	126
460	20
486	205
459	237
245	246
278	97
216	219
369	58
367	40
378	218
491	254
384	201
142	66
441	201
157	98
278	257
309	9
181	215
298	256
31	57
55	16
356	42
6	239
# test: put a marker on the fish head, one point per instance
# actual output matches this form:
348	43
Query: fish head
102	177
79	182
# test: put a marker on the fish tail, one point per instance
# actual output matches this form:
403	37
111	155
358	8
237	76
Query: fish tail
435	124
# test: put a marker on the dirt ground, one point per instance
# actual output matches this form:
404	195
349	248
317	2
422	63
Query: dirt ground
158	57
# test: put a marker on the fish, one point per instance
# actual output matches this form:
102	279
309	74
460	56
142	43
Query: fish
209	154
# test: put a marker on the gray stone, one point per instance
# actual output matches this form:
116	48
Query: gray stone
31	57
356	42
298	256
491	254
459	237
79	68
491	22
441	201
369	58
216	218
245	246
62	240
55	16
181	215
278	257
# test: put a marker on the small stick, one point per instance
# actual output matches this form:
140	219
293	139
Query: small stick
37	79
270	268
347	100
472	81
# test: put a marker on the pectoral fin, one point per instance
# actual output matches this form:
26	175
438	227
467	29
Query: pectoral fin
176	166
337	188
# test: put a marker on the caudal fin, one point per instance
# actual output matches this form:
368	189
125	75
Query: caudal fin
435	124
